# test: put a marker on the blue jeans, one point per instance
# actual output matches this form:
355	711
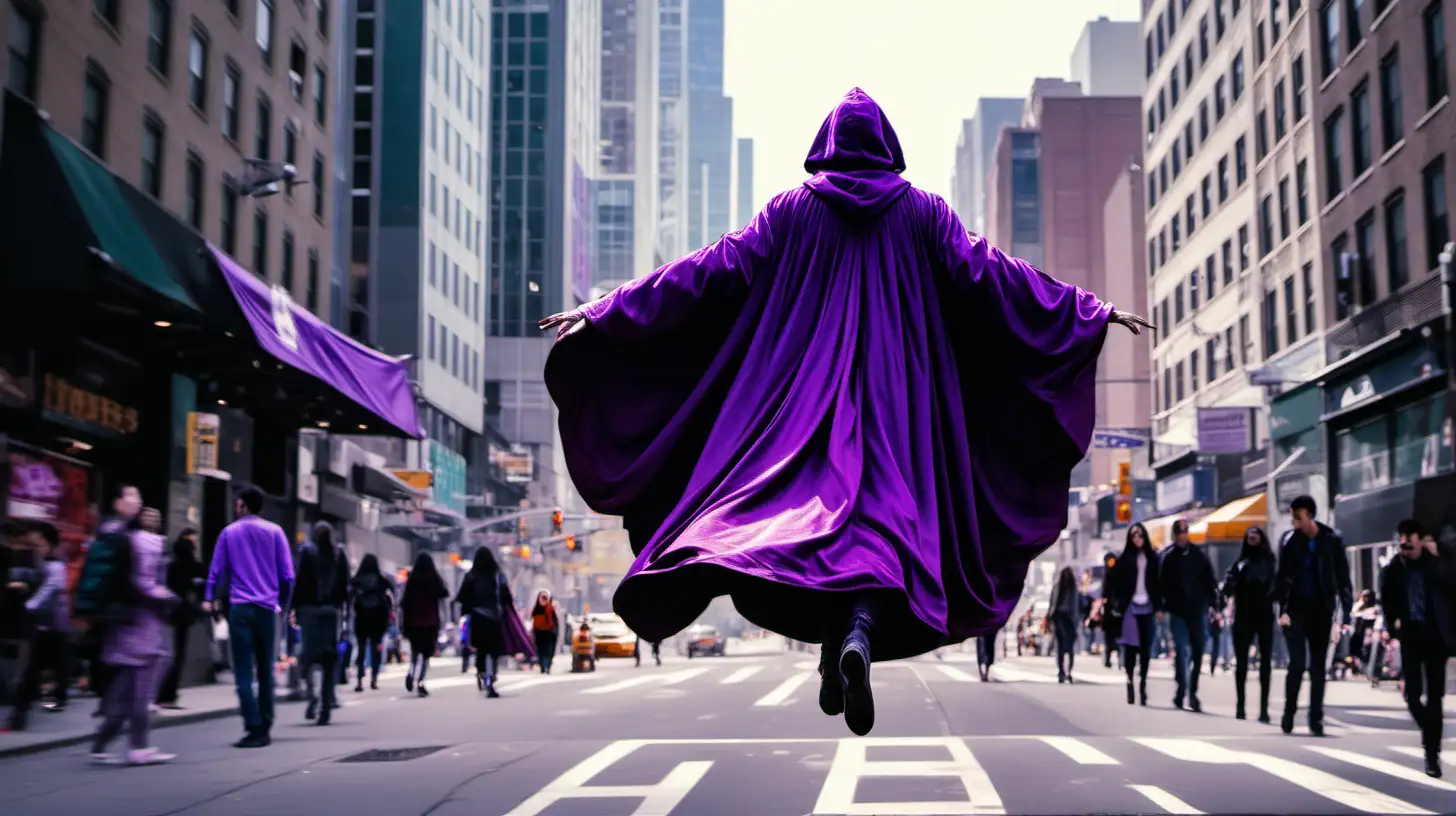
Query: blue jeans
1190	633
254	633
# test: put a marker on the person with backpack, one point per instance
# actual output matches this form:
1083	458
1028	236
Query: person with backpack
48	613
253	557
419	606
135	642
319	598
373	598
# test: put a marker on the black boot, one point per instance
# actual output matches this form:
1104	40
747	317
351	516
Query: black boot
1130	699
831	691
854	676
1433	763
1143	694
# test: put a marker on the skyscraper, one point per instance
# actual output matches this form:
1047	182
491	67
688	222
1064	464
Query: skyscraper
626	184
710	126
1105	61
974	151
545	110
745	183
672	131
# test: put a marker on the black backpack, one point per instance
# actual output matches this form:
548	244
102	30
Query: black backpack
371	595
104	591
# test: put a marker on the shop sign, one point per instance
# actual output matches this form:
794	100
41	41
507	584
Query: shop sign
418	479
50	488
1296	411
202	443
1225	430
517	467
1411	364
76	405
448	483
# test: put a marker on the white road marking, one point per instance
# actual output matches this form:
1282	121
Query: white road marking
851	763
1388	713
1166	801
1080	751
739	675
784	689
1412	751
630	682
956	674
679	676
1313	780
657	800
1384	766
1006	674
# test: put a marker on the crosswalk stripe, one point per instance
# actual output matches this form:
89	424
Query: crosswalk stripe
1166	801
783	690
1328	785
1007	674
1384	766
739	675
1080	751
955	674
1412	751
679	676
630	682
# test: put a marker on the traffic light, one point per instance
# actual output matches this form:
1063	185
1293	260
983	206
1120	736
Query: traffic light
525	551
557	520
571	542
1124	510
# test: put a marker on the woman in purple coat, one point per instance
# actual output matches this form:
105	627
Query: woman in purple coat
851	415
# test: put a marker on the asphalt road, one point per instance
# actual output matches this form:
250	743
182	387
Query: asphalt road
743	735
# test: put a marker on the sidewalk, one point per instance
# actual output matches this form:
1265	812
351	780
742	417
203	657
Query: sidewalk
76	725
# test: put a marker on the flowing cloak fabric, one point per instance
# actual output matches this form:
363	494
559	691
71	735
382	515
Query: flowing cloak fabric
849	395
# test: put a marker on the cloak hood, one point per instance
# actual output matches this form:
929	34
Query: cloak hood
856	159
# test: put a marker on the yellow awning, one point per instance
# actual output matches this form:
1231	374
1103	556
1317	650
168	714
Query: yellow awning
1160	530
1228	523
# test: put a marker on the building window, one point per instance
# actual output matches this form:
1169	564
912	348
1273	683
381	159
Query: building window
232	81
1178	305
1219	107
1207	193
1307	273
1284	208
1210	274
1296	83
1435	38
1193	370
1329	37
1270	319
1343	275
321	17
1178	381
1246	342
192	206
1266	225
159	35
1360	148
264	139
108	10
1167	388
263	31
1218	21
24	48
1261	134
1334	182
1301	191
311	294
431	348
228	223
260	242
1203	121
319	184
1365	249
1422	439
432	263
287	277
1280	108
1193	292
1438	223
320	95
1364	453
197	69
1228	262
1273	22
1241	162
1353	29
1203	40
1392	128
1210	353
1236	81
1260	51
1223	179
95	107
1244	248
290	147
1397	257
153	140
297	67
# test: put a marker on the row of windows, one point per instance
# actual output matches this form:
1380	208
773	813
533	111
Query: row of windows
452	353
1412	442
448	141
1183	223
1165	26
1293	209
465	225
463	18
445	276
1218	356
1182	303
455	80
1356	268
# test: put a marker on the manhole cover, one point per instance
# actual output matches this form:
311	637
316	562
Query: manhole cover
394	754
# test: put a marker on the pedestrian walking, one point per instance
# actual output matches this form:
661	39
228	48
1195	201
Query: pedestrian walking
1136	594
1362	619
419	605
135	644
1064	613
1216	625
1312	583
319	599
252	557
784	453
1189	590
986	654
466	652
546	628
185	578
1107	620
1418	590
1249	583
372	597
48	621
485	595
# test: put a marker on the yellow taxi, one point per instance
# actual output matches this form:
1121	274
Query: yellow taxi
613	637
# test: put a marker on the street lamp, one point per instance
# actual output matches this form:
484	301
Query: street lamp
262	178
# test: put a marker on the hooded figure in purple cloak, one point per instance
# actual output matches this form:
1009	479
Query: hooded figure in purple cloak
852	416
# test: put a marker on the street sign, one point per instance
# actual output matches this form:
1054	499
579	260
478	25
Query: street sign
1117	440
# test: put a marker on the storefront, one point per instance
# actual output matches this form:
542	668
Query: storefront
1222	531
1299	453
1388	426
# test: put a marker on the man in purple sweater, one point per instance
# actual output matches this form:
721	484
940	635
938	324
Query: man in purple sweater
253	558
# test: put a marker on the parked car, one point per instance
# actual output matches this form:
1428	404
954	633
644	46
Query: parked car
613	638
705	640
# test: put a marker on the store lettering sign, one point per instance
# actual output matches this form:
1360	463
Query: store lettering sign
71	402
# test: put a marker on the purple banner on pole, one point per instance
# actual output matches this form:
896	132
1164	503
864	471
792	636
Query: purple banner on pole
376	381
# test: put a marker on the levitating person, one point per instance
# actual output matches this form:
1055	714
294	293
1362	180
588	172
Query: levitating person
852	416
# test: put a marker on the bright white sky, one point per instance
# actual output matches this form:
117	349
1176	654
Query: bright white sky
787	62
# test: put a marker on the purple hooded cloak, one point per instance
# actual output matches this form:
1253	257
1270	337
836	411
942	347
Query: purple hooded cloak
850	394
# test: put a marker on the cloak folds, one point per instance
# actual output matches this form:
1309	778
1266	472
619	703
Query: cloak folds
850	394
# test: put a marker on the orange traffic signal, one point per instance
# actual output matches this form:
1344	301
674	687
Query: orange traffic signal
557	520
525	551
571	542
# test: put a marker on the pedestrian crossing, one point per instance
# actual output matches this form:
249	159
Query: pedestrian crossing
994	775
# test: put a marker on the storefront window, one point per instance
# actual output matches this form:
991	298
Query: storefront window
1422	441
1364	457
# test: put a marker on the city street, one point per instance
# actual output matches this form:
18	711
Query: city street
743	734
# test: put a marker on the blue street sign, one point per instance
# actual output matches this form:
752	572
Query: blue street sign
1112	439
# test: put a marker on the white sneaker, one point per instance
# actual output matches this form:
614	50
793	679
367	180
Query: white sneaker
148	756
103	758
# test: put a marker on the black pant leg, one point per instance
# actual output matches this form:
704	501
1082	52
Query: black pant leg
1317	633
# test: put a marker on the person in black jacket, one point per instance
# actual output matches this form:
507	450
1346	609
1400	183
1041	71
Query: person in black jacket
1065	614
1417	591
1250	583
1108	621
1189	590
1134	594
185	577
484	596
373	601
1313	581
319	597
